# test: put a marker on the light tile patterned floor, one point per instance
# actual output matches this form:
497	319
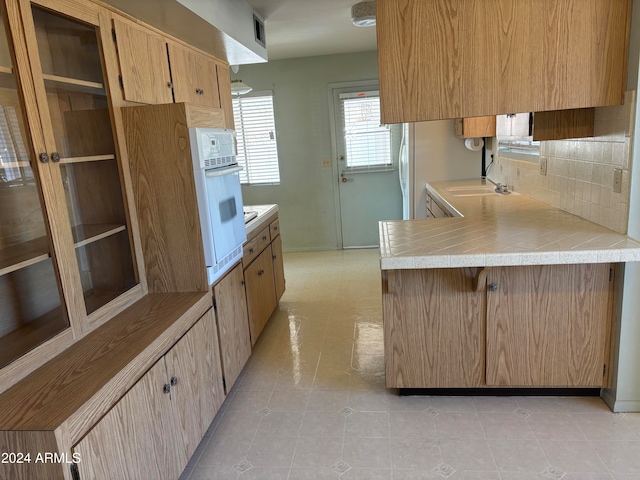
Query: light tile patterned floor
311	404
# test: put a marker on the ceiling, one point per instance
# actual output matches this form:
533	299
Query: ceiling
303	28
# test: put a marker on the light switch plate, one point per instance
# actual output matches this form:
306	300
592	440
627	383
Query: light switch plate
543	165
617	180
326	162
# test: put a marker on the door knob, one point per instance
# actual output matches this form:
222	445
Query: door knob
344	180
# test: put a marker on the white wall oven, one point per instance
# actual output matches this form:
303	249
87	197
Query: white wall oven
219	198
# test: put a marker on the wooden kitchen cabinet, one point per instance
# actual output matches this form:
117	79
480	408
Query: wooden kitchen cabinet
224	87
524	326
553	125
278	267
263	273
233	324
261	292
155	428
143	61
194	76
487	57
549	325
67	261
433	328
476	127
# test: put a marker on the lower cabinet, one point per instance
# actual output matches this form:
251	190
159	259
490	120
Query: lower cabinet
433	329
549	325
278	267
155	428
233	324
522	326
261	292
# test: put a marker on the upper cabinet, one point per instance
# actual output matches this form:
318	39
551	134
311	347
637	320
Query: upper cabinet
444	59
194	75
142	55
155	69
66	247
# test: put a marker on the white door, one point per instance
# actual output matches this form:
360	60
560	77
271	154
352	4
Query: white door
367	165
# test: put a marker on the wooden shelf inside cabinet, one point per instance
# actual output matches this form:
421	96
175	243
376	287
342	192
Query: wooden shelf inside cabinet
23	255
74	85
86	234
88	158
23	339
18	164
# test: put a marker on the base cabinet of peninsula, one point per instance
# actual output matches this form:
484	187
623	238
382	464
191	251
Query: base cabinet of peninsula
517	326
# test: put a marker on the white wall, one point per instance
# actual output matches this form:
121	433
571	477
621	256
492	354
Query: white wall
439	156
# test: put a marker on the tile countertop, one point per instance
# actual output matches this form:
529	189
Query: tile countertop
264	212
498	230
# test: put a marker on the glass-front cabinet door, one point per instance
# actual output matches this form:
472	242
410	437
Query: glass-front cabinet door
66	58
32	309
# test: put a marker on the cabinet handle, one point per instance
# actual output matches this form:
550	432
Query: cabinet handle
242	283
44	158
169	84
493	287
260	273
264	238
55	156
274	257
174	381
275	228
250	251
166	388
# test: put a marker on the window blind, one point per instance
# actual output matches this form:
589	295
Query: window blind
367	142
256	134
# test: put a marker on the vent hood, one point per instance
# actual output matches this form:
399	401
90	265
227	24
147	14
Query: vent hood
223	28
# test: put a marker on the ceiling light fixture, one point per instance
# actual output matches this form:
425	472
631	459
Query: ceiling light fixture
363	14
238	87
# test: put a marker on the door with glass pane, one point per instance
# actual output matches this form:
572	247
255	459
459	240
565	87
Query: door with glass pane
32	309
367	165
66	58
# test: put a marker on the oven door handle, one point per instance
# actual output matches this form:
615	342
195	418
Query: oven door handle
222	171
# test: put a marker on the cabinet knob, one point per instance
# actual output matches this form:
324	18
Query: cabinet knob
260	273
250	250
174	381
166	388
493	287
264	238
169	84
44	158
55	156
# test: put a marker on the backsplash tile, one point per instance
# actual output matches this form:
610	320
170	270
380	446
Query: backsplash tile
580	172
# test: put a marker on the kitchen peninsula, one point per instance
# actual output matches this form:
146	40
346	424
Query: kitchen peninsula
513	293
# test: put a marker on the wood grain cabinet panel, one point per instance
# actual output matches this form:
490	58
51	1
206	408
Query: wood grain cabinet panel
433	328
278	267
194	76
476	127
134	439
195	376
549	325
153	431
144	66
261	293
440	59
233	324
224	88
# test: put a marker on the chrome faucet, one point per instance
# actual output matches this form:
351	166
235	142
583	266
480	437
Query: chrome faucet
500	187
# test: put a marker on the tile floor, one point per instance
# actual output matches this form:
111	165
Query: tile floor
311	404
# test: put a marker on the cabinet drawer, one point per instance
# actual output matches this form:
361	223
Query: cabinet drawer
255	246
274	229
